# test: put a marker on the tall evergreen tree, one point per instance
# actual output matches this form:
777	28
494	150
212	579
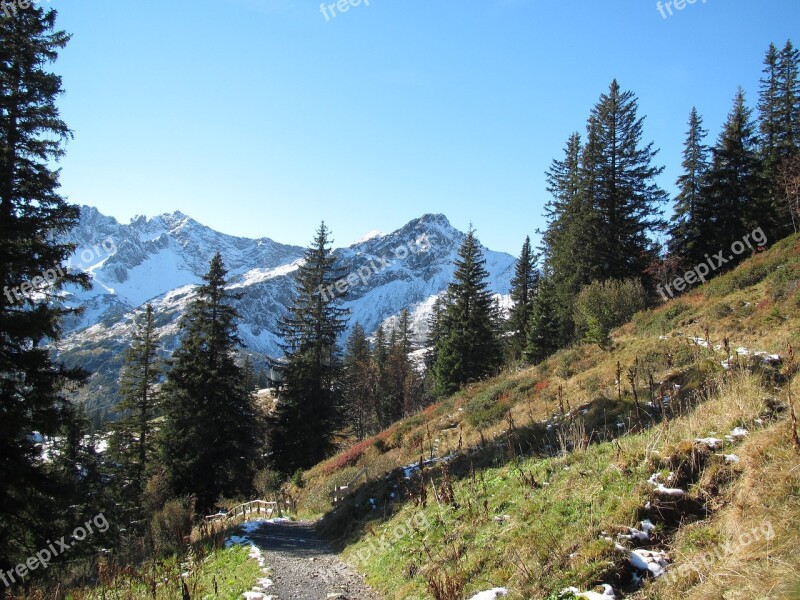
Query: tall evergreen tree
404	382
380	364
735	187
435	332
769	106
469	349
358	383
249	376
779	125
307	412
209	441
568	243
523	292
688	230
545	329
621	186
132	443
33	216
789	100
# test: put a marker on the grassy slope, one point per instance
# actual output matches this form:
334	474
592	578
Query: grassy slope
532	502
231	568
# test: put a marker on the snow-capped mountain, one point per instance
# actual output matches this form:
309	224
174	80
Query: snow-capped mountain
161	260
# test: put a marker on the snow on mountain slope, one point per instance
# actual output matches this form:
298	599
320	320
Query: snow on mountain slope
161	260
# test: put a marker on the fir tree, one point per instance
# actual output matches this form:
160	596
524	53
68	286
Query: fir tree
33	216
688	229
249	375
789	101
545	328
469	349
358	383
523	292
435	332
309	394
735	187
568	244
619	183
405	389
209	439
132	443
769	107
779	125
380	365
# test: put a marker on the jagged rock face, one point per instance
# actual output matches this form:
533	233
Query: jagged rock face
161	260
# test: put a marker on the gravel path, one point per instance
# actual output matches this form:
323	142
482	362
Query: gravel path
303	567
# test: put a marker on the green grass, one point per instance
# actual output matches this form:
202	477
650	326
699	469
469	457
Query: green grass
231	568
548	536
539	525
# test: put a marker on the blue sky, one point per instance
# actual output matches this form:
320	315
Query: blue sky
261	117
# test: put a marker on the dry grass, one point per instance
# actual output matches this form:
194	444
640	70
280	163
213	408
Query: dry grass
757	306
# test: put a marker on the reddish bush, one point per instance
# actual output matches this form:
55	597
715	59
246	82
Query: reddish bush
348	458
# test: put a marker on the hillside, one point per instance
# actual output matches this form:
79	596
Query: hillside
160	260
665	467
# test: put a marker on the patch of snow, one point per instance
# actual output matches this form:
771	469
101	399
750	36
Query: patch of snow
662	490
639	535
710	442
368	236
737	435
653	561
608	592
731	459
490	594
255	276
674	492
409	470
236	540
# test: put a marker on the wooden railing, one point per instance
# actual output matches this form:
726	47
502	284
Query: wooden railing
339	493
254	507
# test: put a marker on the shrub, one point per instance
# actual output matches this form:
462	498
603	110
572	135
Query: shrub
748	274
171	526
602	305
489	406
266	482
348	458
660	320
566	360
297	478
784	282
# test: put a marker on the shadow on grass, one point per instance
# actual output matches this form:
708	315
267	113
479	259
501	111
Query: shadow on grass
598	421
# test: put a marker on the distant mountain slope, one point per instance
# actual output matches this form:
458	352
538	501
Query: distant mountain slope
160	260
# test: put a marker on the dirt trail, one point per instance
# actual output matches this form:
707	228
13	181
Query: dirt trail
303	567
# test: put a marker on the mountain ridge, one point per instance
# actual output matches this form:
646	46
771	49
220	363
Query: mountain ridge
161	259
